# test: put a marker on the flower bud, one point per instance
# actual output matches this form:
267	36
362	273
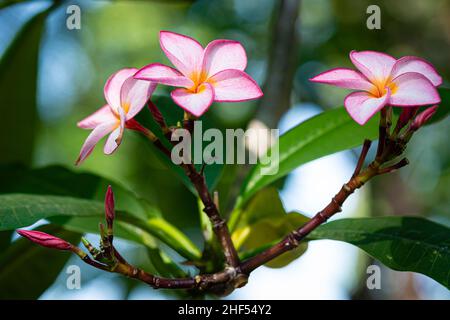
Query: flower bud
406	115
423	117
109	207
45	240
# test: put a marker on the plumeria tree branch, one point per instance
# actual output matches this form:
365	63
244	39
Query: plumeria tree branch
216	73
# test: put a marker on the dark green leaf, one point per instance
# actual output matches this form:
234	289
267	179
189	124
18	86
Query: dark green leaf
57	180
20	210
25	268
401	243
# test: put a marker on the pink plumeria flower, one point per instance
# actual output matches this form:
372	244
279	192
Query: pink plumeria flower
125	97
215	73
384	80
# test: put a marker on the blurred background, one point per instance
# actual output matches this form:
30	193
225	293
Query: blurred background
287	42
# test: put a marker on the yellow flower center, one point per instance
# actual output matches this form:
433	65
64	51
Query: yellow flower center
380	87
198	78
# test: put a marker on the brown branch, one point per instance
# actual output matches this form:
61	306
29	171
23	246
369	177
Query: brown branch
386	149
219	225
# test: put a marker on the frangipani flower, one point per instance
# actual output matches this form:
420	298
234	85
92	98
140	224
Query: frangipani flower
215	73
384	80
125	97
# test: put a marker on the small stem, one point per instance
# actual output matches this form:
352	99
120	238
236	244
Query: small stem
157	115
398	165
219	225
362	157
383	132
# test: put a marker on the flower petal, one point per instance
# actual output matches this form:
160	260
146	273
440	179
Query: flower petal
344	78
233	85
114	84
184	52
362	106
413	89
415	64
102	115
160	73
220	55
93	138
115	138
376	66
134	95
195	103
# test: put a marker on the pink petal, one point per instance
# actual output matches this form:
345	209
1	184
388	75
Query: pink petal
233	85
114	84
195	103
184	52
362	106
344	78
413	89
160	73
415	64
93	138
376	66
115	138
102	115
134	95
220	55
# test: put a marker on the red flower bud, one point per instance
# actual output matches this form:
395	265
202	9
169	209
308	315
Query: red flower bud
109	206
45	240
423	117
406	115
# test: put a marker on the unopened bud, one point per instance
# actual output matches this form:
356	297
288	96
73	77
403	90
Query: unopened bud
423	117
109	207
45	240
406	115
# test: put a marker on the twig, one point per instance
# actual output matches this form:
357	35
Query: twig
219	225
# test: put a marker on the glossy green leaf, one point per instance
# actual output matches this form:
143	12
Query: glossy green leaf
327	133
57	180
18	210
401	243
25	271
265	221
21	210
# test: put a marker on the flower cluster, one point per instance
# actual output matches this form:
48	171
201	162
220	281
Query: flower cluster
215	73
382	80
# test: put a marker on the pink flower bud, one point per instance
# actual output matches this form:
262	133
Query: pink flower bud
406	115
45	239
109	206
423	117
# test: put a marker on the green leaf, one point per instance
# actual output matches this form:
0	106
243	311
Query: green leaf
401	243
327	133
25	271
20	210
18	83
265	221
57	180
